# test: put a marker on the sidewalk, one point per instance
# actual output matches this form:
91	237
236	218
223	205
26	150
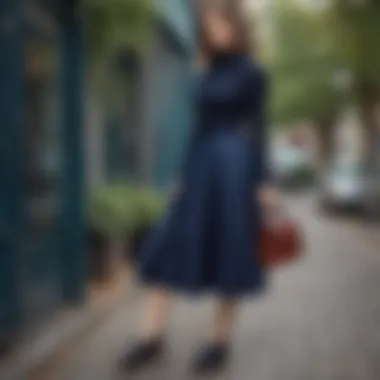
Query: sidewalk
318	321
38	352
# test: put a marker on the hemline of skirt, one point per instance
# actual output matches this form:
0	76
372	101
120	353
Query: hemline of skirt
201	290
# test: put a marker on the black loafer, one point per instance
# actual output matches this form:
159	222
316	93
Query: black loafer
142	354
212	357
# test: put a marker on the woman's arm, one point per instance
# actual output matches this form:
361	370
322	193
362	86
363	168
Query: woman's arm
257	103
268	194
262	129
195	127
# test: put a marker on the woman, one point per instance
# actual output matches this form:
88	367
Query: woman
209	239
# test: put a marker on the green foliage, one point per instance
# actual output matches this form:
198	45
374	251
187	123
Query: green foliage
358	28
120	209
107	212
357	24
303	66
304	96
150	205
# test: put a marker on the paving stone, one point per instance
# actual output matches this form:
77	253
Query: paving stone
319	320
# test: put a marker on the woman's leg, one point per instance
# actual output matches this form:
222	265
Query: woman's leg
222	325
215	353
156	312
150	343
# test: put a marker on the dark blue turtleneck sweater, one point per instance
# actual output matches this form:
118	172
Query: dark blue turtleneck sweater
232	95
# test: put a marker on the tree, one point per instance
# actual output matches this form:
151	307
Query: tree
357	27
303	65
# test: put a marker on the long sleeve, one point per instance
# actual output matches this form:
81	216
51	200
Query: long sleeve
256	100
196	130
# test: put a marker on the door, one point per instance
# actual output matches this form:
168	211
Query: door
43	179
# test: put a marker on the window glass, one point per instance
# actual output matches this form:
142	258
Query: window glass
43	132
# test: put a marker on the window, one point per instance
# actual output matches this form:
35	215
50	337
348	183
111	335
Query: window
43	133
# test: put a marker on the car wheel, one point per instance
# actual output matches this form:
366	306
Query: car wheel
371	211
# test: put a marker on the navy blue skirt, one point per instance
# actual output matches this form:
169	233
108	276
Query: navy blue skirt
208	239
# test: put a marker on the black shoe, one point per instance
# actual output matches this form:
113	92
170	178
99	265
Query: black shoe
212	357
142	354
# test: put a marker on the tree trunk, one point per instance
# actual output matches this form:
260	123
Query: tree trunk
368	98
369	130
371	155
324	132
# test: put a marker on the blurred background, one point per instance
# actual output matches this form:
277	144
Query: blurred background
95	112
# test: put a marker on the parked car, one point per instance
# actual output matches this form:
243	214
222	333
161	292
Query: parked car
292	167
347	186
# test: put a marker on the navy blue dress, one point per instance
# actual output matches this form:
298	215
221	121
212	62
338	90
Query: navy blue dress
208	239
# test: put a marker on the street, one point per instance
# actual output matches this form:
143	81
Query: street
319	319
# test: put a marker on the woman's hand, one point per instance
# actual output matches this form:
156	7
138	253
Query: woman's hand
269	198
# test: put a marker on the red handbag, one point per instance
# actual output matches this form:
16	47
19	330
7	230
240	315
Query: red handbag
280	240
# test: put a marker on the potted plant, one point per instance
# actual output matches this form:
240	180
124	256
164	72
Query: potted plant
106	224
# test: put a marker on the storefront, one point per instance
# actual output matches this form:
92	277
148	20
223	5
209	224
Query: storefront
148	144
41	164
173	59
